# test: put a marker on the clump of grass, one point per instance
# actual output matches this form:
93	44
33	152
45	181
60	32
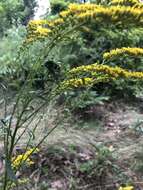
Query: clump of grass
138	162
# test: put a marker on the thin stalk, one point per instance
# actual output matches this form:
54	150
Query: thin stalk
16	128
26	127
5	180
27	145
12	115
42	140
51	96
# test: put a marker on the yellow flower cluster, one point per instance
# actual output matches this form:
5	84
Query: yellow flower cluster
33	24
114	72
49	23
36	31
127	188
99	12
125	2
84	82
113	14
121	51
40	33
39	29
75	9
77	82
85	13
98	73
16	161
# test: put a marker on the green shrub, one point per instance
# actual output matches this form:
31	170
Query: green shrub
9	48
57	6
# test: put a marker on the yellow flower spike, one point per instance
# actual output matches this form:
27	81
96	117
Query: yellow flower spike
126	2
114	72
98	73
126	188
87	13
74	83
84	82
64	14
121	51
37	22
16	161
42	31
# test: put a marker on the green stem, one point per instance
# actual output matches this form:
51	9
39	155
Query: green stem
5	179
16	129
40	142
28	143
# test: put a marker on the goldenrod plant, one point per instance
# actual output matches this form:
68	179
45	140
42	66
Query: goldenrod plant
16	121
78	15
44	36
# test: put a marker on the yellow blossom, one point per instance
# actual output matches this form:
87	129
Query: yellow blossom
135	3
84	82
42	31
16	161
114	72
64	14
77	82
126	188
121	51
86	14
